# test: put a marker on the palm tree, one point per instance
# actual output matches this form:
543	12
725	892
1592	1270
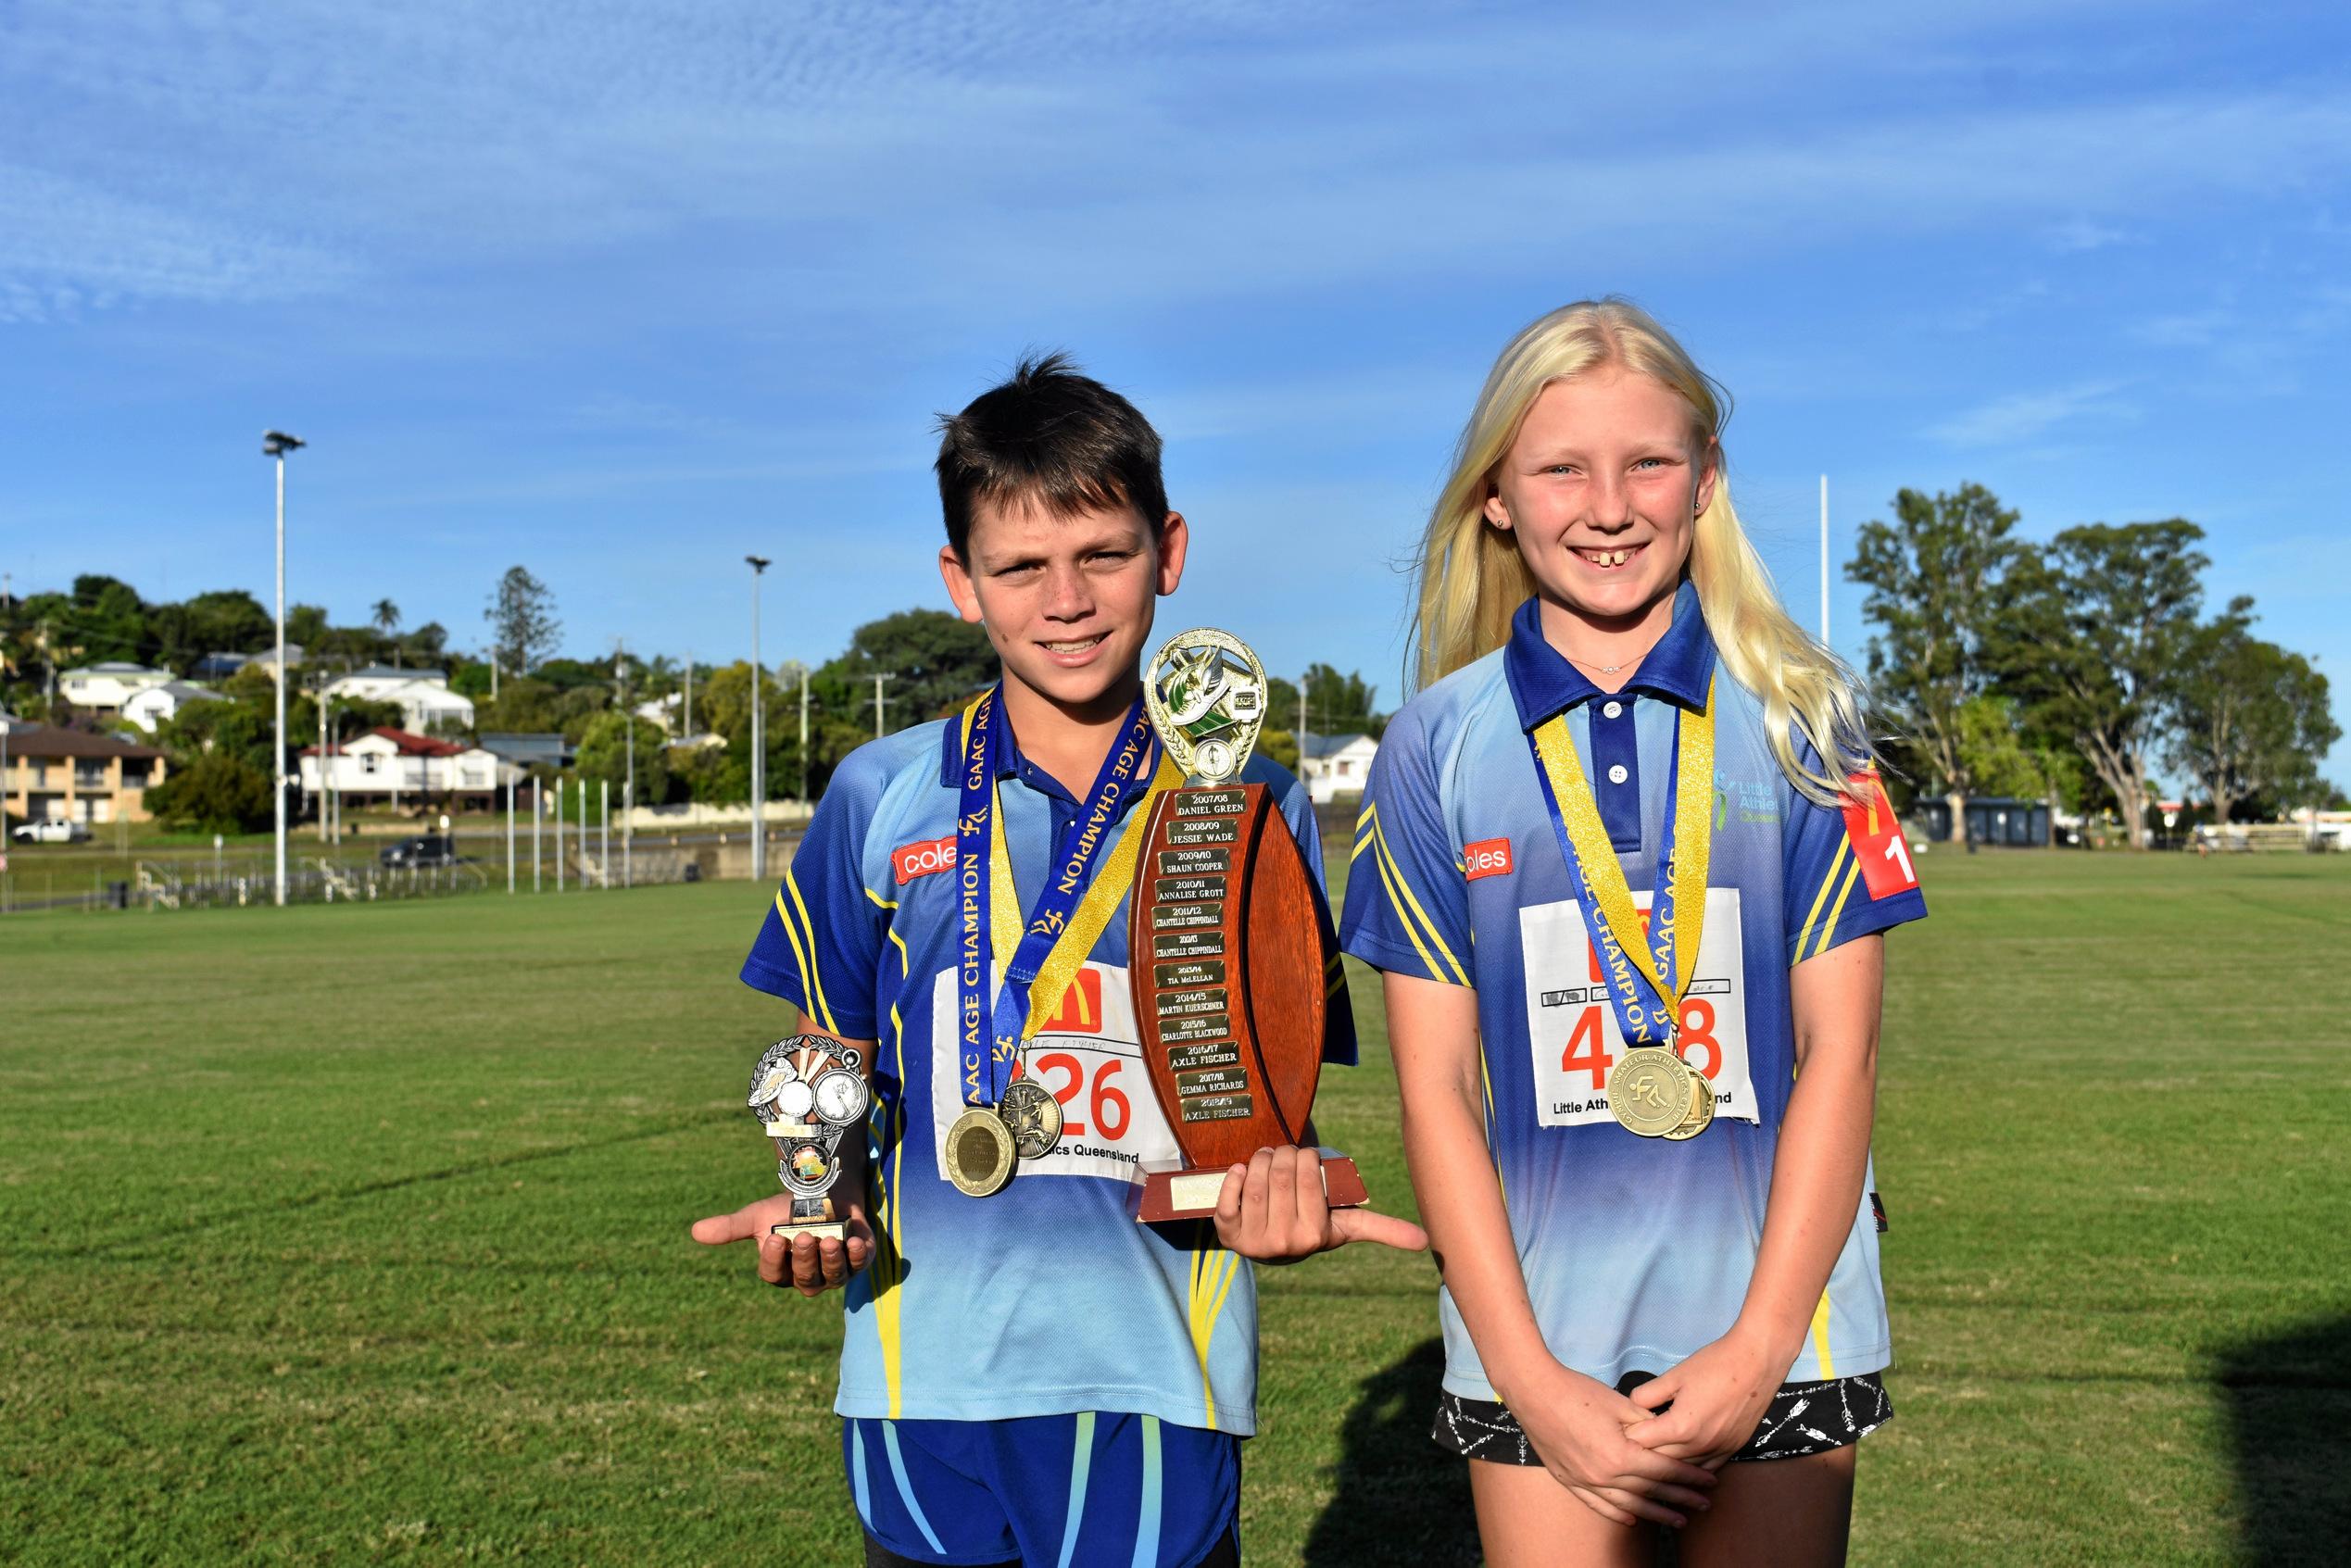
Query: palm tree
387	621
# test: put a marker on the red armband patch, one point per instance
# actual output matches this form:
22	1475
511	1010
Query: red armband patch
1488	856
1877	838
926	858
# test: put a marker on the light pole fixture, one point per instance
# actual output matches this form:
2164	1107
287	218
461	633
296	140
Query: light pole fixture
759	565
276	444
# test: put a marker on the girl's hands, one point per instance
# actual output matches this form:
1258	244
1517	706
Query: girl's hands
1578	1427
1718	1396
808	1265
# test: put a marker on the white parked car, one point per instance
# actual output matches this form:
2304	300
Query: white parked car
54	830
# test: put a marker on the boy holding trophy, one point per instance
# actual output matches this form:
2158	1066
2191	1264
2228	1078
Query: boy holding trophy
1027	1373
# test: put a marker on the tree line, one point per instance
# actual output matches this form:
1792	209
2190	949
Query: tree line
2075	671
931	663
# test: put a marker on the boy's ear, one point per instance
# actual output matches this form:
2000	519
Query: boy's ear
958	578
1174	540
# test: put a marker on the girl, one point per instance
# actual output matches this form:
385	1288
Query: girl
1625	865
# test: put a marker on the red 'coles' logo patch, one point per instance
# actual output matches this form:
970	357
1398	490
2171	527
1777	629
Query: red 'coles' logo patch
1488	856
912	860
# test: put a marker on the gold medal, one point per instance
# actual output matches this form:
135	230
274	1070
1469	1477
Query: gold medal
1033	1116
1649	1091
1702	1107
979	1153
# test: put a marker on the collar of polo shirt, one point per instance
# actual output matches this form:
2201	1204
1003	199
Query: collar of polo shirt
1542	682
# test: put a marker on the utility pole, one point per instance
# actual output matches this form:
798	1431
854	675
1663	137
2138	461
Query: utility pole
558	831
878	679
686	729
509	834
604	850
276	444
538	815
759	565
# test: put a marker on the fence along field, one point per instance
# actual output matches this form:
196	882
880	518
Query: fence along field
361	1232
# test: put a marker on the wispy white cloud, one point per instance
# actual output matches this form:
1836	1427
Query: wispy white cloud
2022	417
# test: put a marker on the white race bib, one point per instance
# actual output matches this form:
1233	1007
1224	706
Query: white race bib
1573	1031
1086	1054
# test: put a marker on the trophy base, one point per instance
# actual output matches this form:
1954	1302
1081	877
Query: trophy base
823	1230
1192	1195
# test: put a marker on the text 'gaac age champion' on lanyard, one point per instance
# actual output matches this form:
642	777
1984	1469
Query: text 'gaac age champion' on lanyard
1005	1117
1651	1090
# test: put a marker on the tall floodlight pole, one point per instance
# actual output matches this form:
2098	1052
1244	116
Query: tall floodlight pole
1824	560
276	444
759	565
804	734
628	790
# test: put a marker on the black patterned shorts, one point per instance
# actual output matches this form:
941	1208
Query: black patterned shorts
1803	1418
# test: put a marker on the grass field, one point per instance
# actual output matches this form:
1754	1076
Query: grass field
359	1232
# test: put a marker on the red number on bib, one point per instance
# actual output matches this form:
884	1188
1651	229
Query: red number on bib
1585	1053
1104	1097
1698	1029
1068	1091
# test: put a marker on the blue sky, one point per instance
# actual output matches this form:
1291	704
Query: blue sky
622	291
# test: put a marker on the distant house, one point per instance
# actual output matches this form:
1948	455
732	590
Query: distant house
151	705
663	710
1334	765
266	660
217	666
105	687
529	750
424	695
82	778
391	767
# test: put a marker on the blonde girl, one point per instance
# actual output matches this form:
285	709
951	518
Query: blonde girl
1626	868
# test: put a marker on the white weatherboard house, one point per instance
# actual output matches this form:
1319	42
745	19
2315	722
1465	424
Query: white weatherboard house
1334	765
392	766
424	695
107	686
150	706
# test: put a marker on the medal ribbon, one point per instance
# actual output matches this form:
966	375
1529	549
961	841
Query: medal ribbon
1646	979
1036	963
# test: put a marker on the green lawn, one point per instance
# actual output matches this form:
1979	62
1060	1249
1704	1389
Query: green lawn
359	1232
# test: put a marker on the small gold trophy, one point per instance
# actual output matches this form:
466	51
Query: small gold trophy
808	1093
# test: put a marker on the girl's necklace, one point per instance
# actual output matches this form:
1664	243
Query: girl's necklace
1597	669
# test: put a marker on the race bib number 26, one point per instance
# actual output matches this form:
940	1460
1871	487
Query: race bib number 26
1088	1057
1572	1027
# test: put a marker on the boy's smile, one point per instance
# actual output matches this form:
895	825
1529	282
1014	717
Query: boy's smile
1066	600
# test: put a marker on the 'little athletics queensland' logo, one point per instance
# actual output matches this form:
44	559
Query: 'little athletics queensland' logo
1747	802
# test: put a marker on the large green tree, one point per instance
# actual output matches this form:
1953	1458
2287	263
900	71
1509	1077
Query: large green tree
603	755
524	628
1937	576
217	792
2097	643
935	662
2251	717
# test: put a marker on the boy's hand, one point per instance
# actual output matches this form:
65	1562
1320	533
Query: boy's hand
1273	1210
1718	1396
808	1265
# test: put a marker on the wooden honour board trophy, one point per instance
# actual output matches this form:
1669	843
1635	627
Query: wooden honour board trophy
1226	955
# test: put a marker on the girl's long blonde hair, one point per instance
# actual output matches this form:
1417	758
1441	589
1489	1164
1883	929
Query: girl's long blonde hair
1473	577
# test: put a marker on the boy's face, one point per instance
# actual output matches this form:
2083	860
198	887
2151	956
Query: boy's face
1065	599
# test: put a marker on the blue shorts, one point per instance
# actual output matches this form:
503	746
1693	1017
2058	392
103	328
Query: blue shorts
1066	1491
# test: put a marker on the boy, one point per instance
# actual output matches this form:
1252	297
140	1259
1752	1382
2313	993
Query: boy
1029	1375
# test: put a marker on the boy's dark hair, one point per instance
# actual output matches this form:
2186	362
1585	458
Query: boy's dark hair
1053	434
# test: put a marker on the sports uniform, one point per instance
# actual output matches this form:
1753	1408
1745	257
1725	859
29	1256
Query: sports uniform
1637	1251
1120	1358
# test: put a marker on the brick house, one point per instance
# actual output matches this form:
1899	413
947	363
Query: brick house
83	778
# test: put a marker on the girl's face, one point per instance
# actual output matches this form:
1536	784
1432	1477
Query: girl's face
1603	486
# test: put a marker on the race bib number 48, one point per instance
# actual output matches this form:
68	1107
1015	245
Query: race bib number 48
1088	1057
1573	1028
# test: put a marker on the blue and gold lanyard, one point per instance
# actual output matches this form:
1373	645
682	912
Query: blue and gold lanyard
1646	978
1072	909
